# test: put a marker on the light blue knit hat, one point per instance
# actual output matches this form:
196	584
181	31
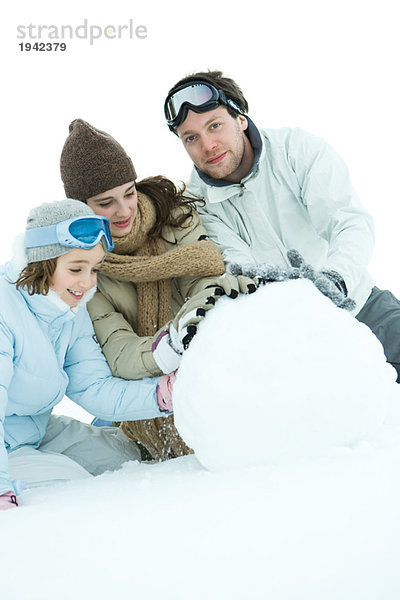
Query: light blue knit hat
51	213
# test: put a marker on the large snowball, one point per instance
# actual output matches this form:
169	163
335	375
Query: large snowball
277	375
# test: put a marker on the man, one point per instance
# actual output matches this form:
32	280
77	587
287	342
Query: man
267	191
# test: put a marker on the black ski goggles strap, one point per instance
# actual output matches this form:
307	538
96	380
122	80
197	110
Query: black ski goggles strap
198	96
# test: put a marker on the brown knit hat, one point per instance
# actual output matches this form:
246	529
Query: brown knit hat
92	162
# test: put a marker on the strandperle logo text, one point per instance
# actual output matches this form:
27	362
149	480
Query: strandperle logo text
84	31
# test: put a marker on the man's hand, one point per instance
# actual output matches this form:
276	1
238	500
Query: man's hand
329	282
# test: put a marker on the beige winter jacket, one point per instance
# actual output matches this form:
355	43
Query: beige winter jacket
114	309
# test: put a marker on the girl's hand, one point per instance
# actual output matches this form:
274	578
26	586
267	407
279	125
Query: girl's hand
164	392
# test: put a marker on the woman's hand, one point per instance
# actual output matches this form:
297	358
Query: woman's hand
233	285
174	339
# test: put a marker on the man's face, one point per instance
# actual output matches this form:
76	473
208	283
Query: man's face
217	144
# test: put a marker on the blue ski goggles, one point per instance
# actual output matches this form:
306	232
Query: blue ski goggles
198	96
79	232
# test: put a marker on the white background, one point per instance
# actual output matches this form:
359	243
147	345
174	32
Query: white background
330	67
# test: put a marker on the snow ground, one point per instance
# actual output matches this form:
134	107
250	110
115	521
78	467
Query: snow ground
323	529
320	527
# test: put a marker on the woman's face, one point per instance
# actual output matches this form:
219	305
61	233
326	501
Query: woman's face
76	273
119	205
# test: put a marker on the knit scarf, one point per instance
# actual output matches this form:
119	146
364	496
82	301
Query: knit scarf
142	259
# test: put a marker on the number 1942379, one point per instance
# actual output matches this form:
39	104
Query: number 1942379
43	46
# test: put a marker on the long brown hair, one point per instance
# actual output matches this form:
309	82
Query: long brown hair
165	197
37	277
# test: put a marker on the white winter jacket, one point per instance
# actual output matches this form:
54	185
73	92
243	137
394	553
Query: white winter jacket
298	195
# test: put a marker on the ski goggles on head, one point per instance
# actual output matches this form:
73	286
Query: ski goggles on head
198	96
79	232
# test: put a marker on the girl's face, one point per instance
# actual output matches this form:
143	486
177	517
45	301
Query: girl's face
76	273
120	206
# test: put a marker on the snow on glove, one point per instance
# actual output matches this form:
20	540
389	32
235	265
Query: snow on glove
8	500
337	279
261	273
329	282
164	392
176	336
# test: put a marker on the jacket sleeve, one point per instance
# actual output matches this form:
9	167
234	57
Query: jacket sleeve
333	206
234	247
188	285
128	355
92	386
6	373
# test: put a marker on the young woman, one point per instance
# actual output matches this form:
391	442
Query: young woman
162	257
48	349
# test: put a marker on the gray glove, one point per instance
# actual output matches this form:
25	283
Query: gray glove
329	283
261	273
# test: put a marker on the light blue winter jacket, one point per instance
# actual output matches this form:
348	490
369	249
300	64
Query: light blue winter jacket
47	351
298	195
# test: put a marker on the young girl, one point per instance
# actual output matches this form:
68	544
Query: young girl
48	349
162	256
